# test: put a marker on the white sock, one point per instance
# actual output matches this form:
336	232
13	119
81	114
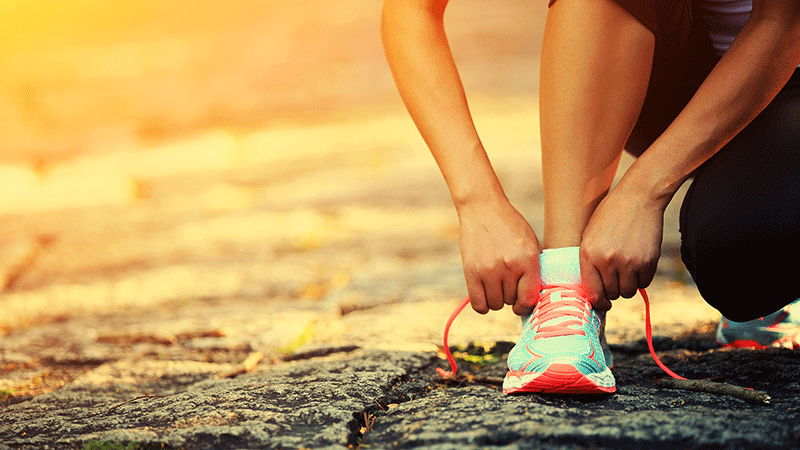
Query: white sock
561	265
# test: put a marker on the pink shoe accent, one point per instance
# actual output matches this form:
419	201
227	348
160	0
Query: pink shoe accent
745	343
558	378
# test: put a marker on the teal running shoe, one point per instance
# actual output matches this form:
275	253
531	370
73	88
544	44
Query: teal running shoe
561	350
779	329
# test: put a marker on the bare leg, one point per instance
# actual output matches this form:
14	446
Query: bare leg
595	67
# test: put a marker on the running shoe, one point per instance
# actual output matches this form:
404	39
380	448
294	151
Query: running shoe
778	329
560	350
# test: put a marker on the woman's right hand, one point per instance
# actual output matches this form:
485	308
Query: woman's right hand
499	250
500	255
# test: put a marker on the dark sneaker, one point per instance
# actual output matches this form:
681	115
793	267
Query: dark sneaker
779	329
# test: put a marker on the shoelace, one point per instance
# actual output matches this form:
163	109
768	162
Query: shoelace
561	328
547	310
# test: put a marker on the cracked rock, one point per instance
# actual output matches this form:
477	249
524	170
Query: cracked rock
311	404
636	417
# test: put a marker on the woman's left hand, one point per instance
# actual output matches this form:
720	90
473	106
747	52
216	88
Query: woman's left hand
621	245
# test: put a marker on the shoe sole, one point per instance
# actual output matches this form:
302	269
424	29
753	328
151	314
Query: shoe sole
744	343
561	379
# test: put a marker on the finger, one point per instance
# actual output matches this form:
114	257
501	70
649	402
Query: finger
611	284
510	283
646	275
628	284
494	294
593	283
527	293
477	296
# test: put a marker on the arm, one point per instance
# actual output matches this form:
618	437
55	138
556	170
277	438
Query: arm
750	74
624	234
499	249
426	76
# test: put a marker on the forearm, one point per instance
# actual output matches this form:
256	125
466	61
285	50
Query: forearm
747	78
427	79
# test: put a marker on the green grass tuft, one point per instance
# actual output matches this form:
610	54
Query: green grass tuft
5	394
299	341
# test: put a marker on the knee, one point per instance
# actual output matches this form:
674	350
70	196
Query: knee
742	282
738	312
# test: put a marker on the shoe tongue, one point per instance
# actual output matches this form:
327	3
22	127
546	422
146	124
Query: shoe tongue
561	265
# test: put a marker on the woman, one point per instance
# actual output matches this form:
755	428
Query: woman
667	81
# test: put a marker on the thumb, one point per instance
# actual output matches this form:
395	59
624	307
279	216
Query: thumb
527	292
593	283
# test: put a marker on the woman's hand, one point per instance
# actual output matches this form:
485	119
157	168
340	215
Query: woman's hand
500	254
621	245
499	250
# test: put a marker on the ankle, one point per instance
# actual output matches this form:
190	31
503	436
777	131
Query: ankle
560	265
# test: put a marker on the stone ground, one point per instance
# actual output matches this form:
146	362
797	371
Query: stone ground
275	270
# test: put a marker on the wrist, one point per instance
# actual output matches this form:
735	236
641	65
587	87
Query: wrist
472	181
478	197
655	187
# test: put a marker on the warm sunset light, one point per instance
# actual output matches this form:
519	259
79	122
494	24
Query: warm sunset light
144	134
224	225
90	74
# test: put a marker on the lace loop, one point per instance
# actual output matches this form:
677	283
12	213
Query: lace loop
649	334
547	309
453	366
577	292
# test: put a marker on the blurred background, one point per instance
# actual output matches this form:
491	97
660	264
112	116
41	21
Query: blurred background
87	77
157	153
168	155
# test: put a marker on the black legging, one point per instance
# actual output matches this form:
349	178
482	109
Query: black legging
740	219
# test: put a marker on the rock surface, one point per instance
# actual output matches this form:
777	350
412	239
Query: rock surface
394	399
312	404
636	417
201	251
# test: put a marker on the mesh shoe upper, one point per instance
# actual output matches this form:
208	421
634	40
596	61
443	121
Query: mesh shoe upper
560	345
